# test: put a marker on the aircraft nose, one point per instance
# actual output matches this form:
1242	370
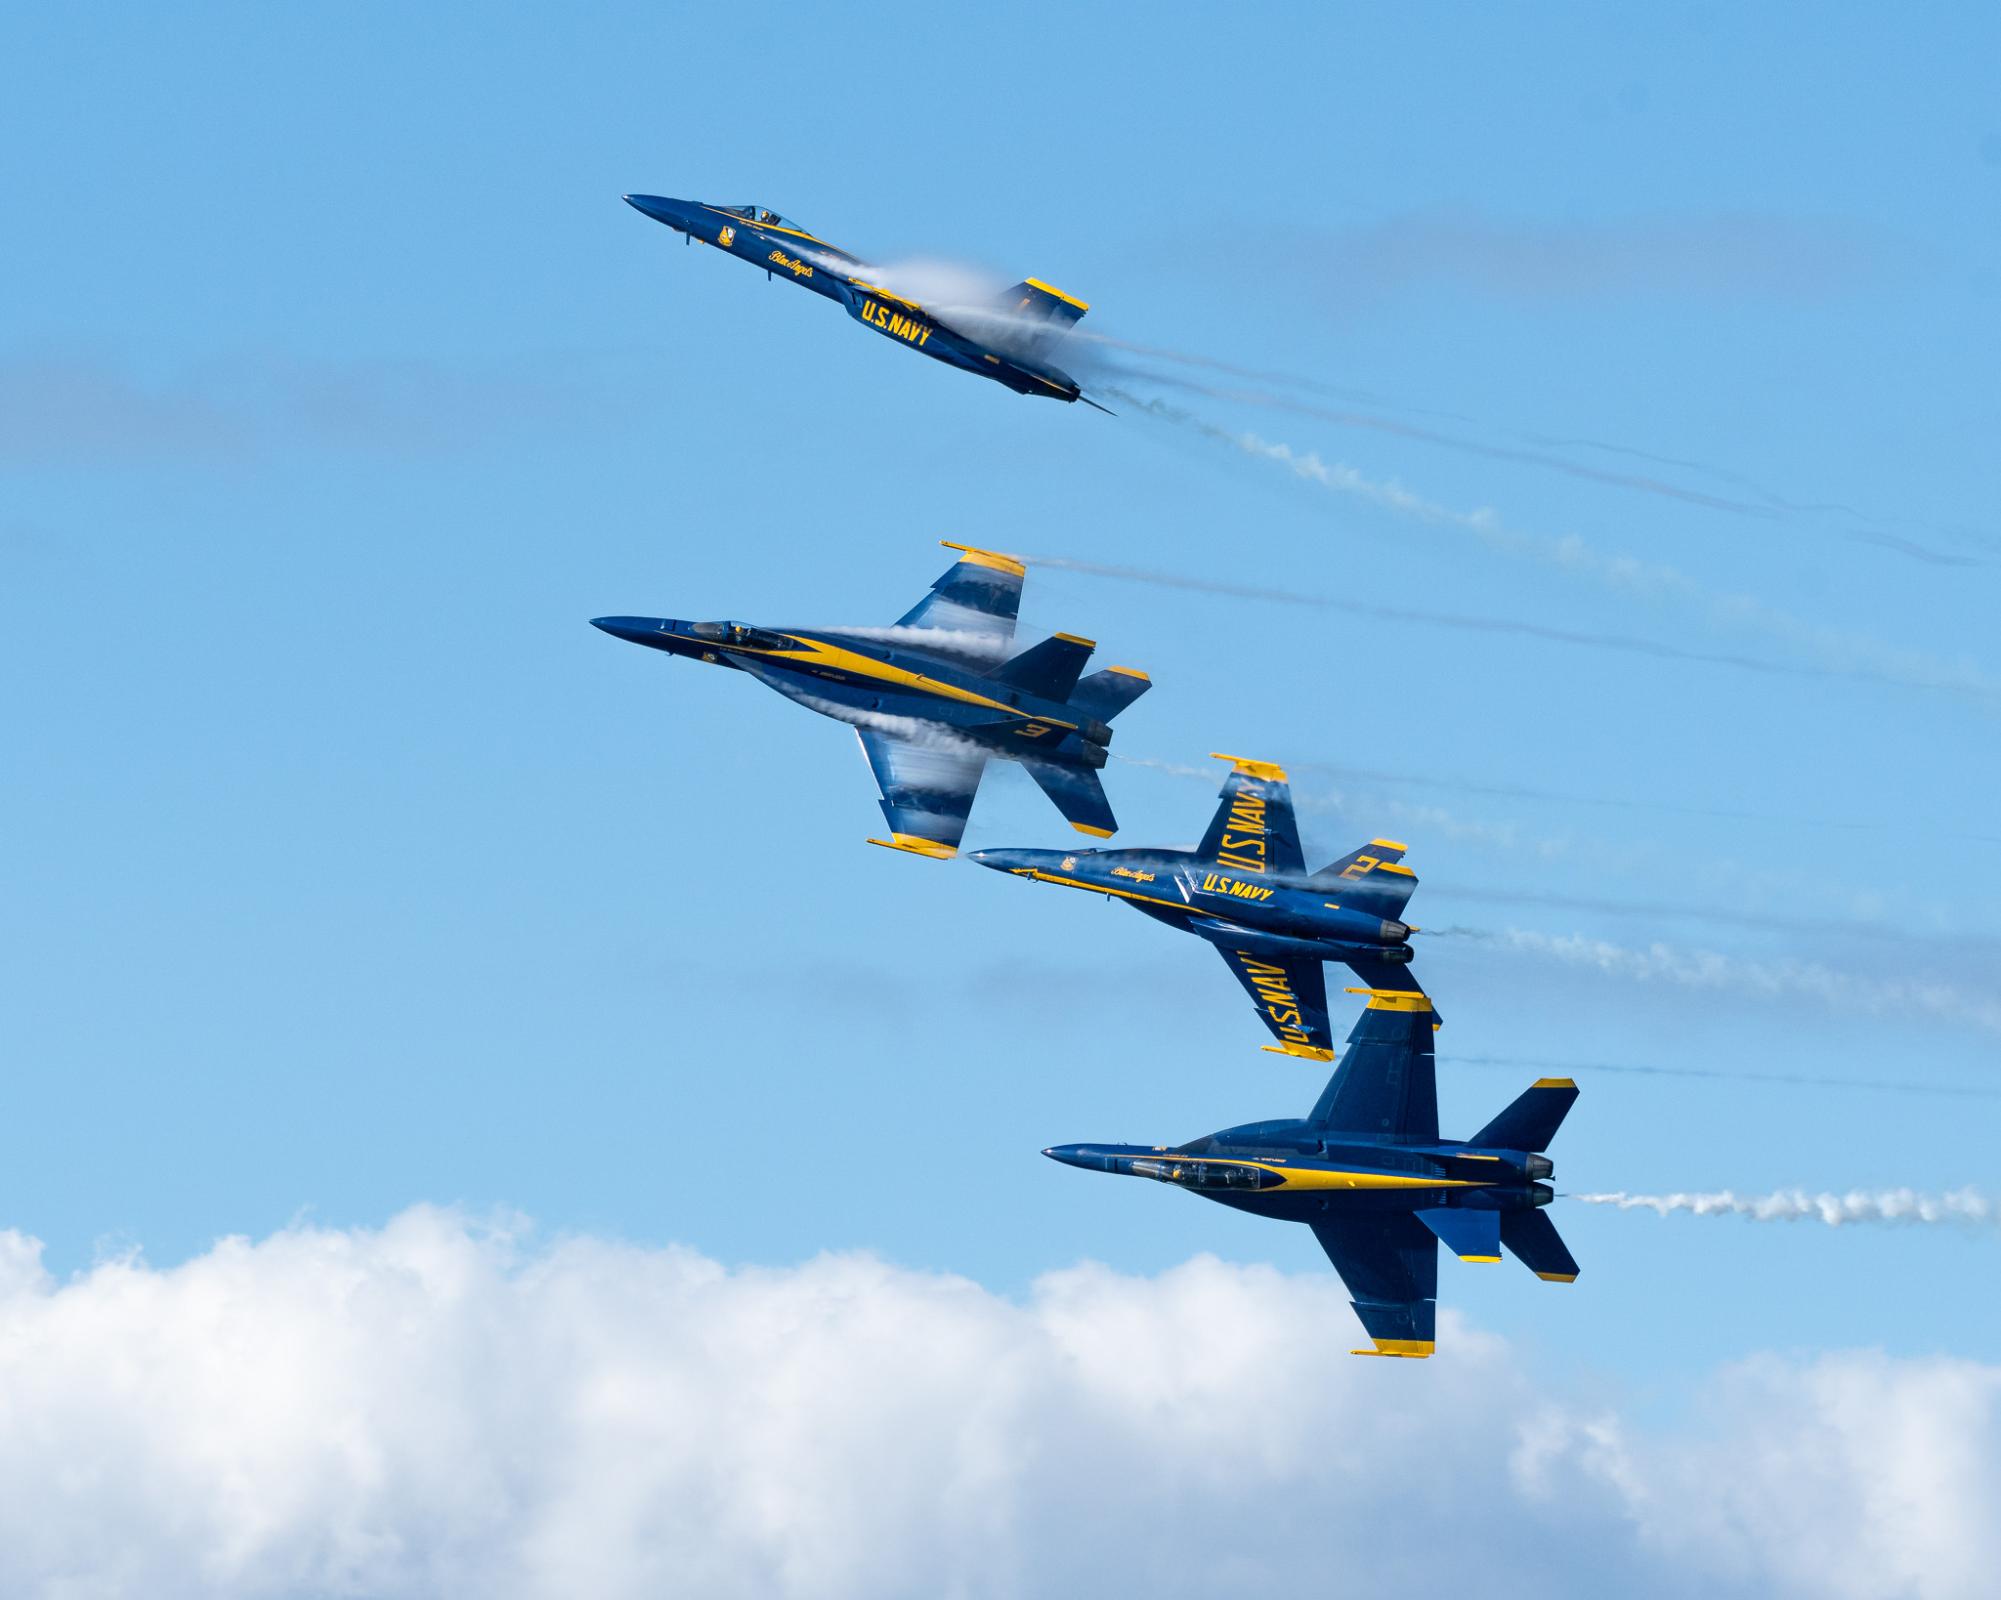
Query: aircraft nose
1076	1155
661	209
1006	860
655	631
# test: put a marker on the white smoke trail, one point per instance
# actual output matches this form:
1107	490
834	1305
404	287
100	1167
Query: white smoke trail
950	641
1834	648
1709	969
1624	643
1961	1207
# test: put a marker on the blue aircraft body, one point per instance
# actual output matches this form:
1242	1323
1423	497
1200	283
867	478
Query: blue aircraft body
1246	890
1009	340
1366	1170
937	696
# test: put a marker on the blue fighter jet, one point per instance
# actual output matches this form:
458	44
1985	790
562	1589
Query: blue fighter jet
936	697
1366	1170
1246	890
1008	340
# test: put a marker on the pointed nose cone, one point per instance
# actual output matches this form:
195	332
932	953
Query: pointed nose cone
1011	860
661	209
659	632
1077	1155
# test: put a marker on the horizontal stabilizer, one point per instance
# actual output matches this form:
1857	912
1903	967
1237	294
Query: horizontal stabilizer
1538	1246
1105	694
1531	1121
1372	880
1469	1235
1076	792
1048	669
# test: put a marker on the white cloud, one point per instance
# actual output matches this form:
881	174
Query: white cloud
438	1408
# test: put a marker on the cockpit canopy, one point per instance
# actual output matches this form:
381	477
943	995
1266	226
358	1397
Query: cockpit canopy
762	216
742	636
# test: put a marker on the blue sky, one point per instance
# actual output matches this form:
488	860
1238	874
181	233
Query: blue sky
348	868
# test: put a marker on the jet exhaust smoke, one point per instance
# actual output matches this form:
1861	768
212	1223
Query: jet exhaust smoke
1835	651
1436	619
1960	1207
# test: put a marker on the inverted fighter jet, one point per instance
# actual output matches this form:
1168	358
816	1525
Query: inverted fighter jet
1366	1170
1246	890
936	697
1009	340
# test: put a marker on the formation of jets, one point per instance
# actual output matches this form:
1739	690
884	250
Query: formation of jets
936	695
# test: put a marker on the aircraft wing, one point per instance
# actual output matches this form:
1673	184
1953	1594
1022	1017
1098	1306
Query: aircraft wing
1387	1082
927	790
1389	1262
1290	997
1253	829
972	608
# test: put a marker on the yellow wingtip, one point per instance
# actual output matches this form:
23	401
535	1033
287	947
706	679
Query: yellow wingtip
1000	562
1095	833
1557	1277
1390	844
1480	1258
1413	1349
916	846
1554	1083
1395	999
1071	638
1270	771
1305	1052
1130	672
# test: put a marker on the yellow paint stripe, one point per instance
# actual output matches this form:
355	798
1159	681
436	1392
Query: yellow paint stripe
1389	844
1554	1083
1071	638
1557	1277
1046	288
917	846
1392	866
1095	833
1130	672
1479	1258
1269	771
1100	888
818	651
1307	1052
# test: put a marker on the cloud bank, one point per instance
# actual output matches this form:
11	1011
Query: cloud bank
437	1407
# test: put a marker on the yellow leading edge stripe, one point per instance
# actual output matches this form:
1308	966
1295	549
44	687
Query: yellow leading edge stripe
1050	288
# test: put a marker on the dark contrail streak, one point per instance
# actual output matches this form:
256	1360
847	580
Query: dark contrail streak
1623	643
1797	1081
